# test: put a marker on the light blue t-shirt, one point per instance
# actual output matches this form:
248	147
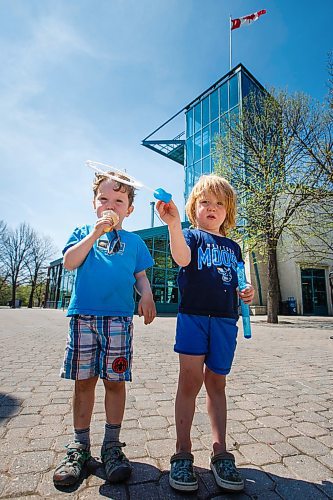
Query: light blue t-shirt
104	281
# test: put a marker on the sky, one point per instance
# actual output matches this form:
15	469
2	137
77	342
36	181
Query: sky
87	79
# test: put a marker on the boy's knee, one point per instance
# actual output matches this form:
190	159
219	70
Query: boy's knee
86	385
190	384
114	386
215	380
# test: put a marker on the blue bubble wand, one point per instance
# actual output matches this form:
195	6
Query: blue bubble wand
159	193
245	308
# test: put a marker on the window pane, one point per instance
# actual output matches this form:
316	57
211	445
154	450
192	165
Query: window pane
214	130
189	151
205	112
234	116
189	122
160	259
197	171
233	91
214	105
224	125
223	98
160	244
197	117
214	133
206	165
205	141
170	263
158	293
149	243
197	146
189	180
159	276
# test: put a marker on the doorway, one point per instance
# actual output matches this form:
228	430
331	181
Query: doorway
314	292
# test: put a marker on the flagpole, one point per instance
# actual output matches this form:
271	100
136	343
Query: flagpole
230	44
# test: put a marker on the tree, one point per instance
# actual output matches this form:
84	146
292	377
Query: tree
269	154
330	80
4	271
16	246
36	261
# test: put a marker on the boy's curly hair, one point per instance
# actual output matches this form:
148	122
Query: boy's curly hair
118	186
223	191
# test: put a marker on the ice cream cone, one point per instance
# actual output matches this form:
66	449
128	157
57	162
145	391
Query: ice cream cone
110	215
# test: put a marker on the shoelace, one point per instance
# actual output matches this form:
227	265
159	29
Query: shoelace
73	456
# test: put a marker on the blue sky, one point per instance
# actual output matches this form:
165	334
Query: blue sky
87	79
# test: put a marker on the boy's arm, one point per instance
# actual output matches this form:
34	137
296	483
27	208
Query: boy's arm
180	251
146	306
76	254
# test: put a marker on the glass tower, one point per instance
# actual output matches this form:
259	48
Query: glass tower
205	118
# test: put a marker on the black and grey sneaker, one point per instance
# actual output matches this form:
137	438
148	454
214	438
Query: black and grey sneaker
225	472
116	464
182	476
69	470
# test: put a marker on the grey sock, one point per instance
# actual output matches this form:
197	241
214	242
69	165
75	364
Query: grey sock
112	432
82	436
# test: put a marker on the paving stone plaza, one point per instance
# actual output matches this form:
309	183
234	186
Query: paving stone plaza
280	401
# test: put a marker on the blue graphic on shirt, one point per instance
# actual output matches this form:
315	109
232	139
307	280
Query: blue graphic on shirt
226	274
221	257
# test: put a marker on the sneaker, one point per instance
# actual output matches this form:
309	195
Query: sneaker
182	476
116	464
225	472
69	470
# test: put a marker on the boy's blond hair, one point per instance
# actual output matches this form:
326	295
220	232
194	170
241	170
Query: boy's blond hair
119	186
223	191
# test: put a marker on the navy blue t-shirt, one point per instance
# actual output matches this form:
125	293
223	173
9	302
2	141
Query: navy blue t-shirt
208	284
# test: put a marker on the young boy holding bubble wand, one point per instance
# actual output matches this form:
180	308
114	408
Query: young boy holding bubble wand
206	329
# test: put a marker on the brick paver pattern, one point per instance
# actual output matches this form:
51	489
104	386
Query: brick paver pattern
280	412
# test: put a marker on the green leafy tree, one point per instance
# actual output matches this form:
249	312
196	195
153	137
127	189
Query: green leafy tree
270	155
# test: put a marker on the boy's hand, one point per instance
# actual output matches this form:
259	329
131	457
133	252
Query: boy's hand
247	294
103	226
168	212
146	308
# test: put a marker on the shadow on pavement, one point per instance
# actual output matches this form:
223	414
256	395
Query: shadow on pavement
149	483
9	406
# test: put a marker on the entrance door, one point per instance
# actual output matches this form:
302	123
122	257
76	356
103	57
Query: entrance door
314	292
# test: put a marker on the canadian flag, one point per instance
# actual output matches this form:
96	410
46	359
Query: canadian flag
241	21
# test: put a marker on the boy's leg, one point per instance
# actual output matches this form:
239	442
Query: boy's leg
216	408
115	336
189	384
223	334
79	365
78	452
115	396
190	381
83	402
117	466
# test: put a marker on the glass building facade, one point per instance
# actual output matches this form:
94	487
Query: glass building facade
206	121
163	275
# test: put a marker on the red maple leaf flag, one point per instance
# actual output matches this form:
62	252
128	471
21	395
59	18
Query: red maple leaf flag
241	21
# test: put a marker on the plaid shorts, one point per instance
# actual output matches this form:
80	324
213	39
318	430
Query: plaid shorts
99	345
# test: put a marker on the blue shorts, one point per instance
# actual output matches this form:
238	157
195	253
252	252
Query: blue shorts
215	338
98	345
